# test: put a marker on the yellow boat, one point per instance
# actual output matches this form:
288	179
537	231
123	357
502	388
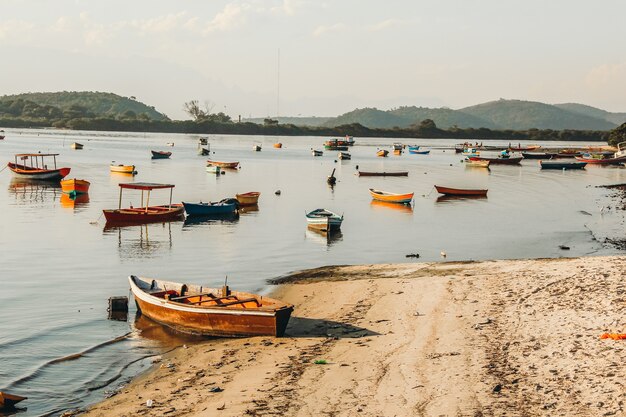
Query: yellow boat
248	199
391	197
477	163
124	169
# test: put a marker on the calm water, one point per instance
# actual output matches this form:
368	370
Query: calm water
59	264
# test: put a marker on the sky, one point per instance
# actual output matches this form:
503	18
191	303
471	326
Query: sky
317	57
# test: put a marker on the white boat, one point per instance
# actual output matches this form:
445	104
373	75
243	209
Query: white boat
256	148
344	155
213	169
621	150
324	220
316	152
170	144
76	145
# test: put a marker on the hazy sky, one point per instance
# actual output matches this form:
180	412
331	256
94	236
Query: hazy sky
335	55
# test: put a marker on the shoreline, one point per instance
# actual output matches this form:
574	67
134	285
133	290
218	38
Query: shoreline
454	338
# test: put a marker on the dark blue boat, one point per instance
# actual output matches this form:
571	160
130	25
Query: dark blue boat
207	209
562	165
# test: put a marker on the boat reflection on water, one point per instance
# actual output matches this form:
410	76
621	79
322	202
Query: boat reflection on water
384	205
140	241
34	190
166	336
77	201
191	221
327	238
249	209
457	198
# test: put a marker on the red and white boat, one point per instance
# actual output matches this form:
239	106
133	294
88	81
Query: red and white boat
147	213
33	166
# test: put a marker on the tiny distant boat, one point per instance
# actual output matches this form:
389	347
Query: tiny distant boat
248	199
621	150
34	167
256	148
524	148
349	140
123	169
538	155
75	186
335	145
160	154
213	169
170	143
414	148
418	152
561	165
278	145
397	152
2	135
499	161
601	160
147	213
458	148
477	164
203	151
459	191
317	153
382	153
203	141
383	174
76	145
222	164
391	197
8	401
209	311
344	155
569	153
324	220
397	146
207	209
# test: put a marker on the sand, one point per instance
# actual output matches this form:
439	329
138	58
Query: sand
514	338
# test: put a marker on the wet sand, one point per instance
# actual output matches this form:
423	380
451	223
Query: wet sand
519	338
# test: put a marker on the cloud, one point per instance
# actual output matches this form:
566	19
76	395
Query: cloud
15	29
323	30
607	74
162	24
232	16
385	24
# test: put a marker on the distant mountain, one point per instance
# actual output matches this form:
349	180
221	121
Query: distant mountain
443	117
617	118
370	117
99	104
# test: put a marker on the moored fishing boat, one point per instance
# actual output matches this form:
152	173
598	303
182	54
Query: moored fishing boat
315	152
160	154
213	169
621	150
477	164
2	135
8	401
520	148
383	174
324	220
209	311
397	146
123	169
77	145
222	164
397	152
33	166
538	155
391	197
256	148
418	152
460	191
382	153
335	145
499	160
203	151
601	160
75	186
147	213
414	148
206	209
203	140
248	199
561	165
278	145
344	155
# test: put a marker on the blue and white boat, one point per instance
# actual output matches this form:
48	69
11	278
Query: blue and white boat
324	220
207	209
418	152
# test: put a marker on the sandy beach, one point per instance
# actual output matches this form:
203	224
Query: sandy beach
515	338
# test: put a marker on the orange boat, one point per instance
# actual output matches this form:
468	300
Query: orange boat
459	191
397	151
8	401
34	167
391	197
209	311
248	199
232	165
278	145
75	186
147	213
382	153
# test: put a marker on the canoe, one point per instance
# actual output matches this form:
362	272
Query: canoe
317	153
391	197
477	164
209	311
538	155
383	174
33	166
601	161
213	169
248	199
278	145
76	145
499	161
160	154
206	209
417	152
8	401
459	191
74	186
124	169
344	155
221	164
561	165
324	220
144	214
382	153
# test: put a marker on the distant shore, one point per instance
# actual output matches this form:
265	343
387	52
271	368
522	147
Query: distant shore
457	338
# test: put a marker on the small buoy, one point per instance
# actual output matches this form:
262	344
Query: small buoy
335	161
277	192
357	167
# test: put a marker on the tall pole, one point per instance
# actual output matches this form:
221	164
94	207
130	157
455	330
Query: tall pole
278	85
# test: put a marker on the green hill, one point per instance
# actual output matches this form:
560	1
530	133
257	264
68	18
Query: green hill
617	118
296	120
369	117
98	104
444	118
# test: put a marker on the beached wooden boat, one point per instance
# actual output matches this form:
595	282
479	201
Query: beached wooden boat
316	152
459	191
147	213
569	153
75	186
256	148
76	145
207	209
383	174
418	152
278	145
209	311
160	154
477	164
324	220
123	169
499	161
561	165
344	155
520	148
213	169
222	164
391	197
538	155
248	199
34	167
8	401
382	153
